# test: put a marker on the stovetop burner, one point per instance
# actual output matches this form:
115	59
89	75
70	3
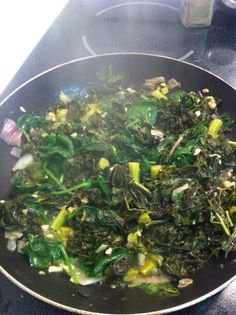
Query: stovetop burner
148	27
154	27
89	27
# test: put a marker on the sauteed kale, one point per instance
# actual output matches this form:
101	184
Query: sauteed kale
125	186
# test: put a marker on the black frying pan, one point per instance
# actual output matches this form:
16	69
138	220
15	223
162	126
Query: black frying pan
35	96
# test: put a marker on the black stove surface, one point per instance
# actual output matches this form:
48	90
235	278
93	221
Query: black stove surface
88	27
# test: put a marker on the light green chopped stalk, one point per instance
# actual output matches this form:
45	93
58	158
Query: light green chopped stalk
61	179
59	220
229	218
142	187
131	275
103	163
164	90
147	267
57	236
155	170
214	127
134	171
157	258
158	94
68	263
86	184
93	108
144	218
132	237
232	143
61	114
226	230
232	210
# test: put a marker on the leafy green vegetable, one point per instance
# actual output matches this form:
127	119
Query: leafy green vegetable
43	252
126	184
143	111
116	255
57	144
27	122
160	289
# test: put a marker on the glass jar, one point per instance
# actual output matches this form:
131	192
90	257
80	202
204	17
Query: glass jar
196	13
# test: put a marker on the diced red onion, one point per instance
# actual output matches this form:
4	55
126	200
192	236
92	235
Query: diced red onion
15	139
16	152
23	162
10	134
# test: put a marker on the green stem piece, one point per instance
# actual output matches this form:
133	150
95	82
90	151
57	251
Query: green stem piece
229	218
59	220
142	187
56	180
155	170
134	171
85	184
68	262
226	230
232	143
232	210
214	127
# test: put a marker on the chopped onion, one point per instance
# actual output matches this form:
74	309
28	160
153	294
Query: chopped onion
16	152
23	162
20	244
157	133
10	134
108	251
101	248
25	211
12	235
45	228
83	279
185	282
55	269
153	82
22	109
11	245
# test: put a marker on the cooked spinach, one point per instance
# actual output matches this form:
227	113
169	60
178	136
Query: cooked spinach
126	186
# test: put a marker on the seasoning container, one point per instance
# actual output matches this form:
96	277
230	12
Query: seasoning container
196	13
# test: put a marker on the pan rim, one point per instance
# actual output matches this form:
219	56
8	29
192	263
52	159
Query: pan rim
107	55
84	312
72	309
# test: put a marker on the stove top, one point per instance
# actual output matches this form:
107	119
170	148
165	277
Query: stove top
88	27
